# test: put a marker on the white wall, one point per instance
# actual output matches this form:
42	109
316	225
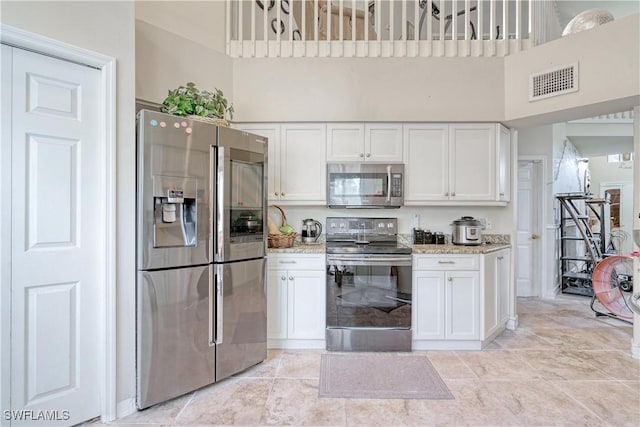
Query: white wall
608	75
202	22
165	60
603	171
107	28
369	89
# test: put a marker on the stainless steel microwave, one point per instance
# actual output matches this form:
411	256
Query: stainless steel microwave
365	185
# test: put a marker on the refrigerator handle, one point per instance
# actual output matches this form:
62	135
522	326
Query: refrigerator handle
219	181
219	304
212	280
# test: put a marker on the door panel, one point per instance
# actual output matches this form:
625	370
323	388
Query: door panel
58	236
428	305
173	352
462	296
472	148
426	155
244	316
525	285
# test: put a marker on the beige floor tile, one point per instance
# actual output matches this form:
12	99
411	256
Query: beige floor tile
567	365
296	402
266	369
449	365
299	364
608	399
163	413
234	401
498	365
618	364
522	339
574	338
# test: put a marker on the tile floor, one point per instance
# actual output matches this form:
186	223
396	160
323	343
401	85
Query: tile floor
562	366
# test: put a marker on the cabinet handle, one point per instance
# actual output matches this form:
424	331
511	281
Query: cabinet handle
446	194
286	262
450	279
446	262
275	194
368	154
453	194
502	194
500	257
361	154
282	194
283	278
290	277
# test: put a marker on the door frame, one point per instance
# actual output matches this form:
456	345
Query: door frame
38	44
540	172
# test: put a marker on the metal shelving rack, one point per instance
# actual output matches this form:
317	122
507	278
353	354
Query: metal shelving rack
582	246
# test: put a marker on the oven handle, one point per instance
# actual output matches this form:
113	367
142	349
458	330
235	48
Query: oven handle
400	261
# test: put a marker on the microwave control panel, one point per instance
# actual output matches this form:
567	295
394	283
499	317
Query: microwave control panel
396	185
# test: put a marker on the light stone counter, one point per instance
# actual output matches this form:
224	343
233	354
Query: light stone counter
300	248
458	249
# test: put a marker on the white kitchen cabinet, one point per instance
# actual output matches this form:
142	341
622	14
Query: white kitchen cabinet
296	161
504	165
446	300
426	153
296	301
495	292
360	142
455	164
472	162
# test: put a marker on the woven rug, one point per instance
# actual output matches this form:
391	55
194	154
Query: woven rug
380	376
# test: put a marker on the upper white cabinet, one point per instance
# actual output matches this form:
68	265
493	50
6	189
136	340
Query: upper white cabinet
455	164
504	165
296	161
359	142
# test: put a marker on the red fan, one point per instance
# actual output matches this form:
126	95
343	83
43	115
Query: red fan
611	280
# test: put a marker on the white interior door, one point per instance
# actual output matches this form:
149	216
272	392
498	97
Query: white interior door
57	239
527	253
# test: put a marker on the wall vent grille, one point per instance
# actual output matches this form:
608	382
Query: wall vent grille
553	82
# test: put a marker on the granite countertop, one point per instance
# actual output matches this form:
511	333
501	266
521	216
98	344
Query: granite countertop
458	249
300	248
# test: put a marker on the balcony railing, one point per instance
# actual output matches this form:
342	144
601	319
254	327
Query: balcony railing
382	28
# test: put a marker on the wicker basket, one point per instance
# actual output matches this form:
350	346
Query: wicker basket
211	120
281	240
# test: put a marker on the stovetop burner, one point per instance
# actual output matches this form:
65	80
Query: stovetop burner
349	235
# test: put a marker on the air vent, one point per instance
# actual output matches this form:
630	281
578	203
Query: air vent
555	81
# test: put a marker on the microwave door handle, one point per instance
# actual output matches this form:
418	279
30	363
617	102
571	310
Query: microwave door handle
388	183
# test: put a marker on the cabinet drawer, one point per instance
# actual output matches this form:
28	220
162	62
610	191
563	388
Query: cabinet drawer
446	262
296	262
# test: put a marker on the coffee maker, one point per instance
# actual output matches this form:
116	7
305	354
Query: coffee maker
311	230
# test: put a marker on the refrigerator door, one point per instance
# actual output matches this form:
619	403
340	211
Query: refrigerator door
243	342
174	191
240	193
173	320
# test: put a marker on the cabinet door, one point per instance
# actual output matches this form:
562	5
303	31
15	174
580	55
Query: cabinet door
428	305
383	142
462	321
306	305
490	296
426	162
504	284
504	167
472	172
272	133
345	142
303	170
276	304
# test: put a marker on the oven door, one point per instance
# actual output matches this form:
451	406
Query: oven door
369	291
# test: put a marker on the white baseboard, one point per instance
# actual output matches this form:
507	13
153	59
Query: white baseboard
126	407
635	350
512	323
296	344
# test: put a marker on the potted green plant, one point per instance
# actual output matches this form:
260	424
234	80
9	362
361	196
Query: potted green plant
188	101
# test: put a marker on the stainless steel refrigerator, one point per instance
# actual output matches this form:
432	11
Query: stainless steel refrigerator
201	246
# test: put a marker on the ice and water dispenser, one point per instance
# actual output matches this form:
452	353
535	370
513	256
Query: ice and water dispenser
175	212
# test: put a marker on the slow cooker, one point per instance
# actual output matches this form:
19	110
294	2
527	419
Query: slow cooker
466	231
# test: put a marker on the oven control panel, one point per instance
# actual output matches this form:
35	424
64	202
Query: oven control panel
350	226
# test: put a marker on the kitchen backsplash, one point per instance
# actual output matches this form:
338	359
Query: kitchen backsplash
505	239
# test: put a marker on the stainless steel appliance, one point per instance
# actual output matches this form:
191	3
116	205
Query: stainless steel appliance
467	231
368	286
200	291
311	230
365	185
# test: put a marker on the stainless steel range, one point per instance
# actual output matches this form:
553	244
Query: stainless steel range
368	286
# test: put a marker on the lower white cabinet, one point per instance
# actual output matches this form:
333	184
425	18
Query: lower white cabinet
296	301
459	301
